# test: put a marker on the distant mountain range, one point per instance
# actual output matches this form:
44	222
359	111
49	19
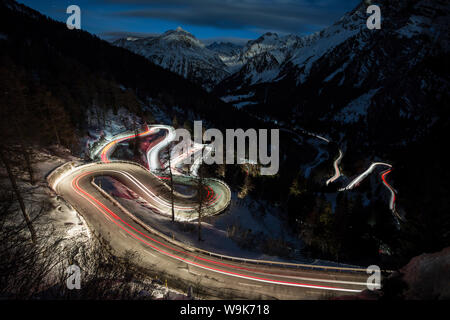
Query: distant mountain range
341	74
41	59
377	94
181	52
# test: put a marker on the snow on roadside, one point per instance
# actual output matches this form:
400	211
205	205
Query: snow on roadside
67	222
214	229
256	218
244	215
56	223
61	223
113	125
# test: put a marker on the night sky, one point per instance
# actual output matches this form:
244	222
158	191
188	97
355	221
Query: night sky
226	20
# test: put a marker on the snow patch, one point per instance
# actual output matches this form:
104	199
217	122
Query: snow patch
357	108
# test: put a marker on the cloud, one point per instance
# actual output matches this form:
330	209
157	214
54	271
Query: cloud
114	35
120	34
291	16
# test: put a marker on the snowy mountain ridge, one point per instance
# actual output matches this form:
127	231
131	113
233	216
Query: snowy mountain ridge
180	52
342	73
259	60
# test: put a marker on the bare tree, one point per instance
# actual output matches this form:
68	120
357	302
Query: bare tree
56	122
167	170
247	186
12	179
39	271
172	197
27	154
55	130
168	154
221	170
201	197
136	142
24	266
26	150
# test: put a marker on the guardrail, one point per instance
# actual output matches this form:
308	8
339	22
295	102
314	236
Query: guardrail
193	178
229	193
102	144
58	172
177	243
139	221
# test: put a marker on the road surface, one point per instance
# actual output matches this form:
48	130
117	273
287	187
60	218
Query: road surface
216	276
337	172
355	182
239	278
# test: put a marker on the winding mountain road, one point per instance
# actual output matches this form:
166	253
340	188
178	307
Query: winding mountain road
215	275
356	181
337	172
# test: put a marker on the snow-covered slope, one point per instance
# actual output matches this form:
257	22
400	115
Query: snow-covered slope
347	73
270	57
265	59
179	51
260	60
182	53
225	49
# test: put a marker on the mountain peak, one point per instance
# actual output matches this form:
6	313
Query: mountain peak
180	34
270	34
179	31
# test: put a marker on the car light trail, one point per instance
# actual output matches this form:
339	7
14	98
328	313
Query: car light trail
217	197
363	175
109	146
137	235
337	173
210	200
392	191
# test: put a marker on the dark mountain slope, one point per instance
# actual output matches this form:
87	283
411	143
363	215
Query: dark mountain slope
76	70
182	53
389	85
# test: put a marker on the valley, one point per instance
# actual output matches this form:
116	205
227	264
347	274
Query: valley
352	173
